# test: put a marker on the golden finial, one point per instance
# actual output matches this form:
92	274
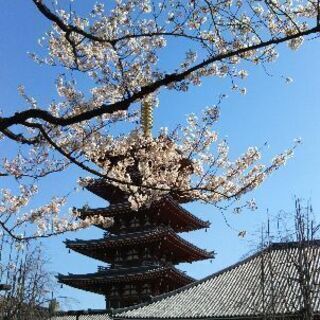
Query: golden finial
147	117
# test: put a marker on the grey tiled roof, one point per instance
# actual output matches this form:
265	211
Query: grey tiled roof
266	282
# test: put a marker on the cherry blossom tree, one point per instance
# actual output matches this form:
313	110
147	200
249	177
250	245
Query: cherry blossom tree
119	47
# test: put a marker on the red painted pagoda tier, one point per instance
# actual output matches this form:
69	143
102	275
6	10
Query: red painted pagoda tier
141	249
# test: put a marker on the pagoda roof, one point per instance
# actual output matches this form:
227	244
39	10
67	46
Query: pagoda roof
167	209
100	248
104	189
97	282
238	292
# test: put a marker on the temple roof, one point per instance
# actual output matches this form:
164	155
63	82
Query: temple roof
96	282
102	249
263	283
167	210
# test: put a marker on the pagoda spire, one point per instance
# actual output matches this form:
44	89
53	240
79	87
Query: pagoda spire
147	117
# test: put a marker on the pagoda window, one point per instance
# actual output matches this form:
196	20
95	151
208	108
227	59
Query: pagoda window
147	254
129	289
135	223
170	258
122	224
114	292
146	289
118	257
132	255
163	258
147	222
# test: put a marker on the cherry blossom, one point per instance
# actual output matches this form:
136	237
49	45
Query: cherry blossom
120	47
191	164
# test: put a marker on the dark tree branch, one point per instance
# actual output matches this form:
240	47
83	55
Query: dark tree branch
63	26
19	137
23	116
68	29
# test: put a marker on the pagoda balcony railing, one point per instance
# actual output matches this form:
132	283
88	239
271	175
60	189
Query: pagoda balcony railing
151	263
127	229
142	264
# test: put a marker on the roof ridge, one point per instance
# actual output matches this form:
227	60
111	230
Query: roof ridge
293	244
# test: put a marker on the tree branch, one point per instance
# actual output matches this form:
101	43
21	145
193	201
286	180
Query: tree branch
19	137
68	29
23	116
63	26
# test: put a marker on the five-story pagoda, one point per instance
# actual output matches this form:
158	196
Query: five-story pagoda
141	247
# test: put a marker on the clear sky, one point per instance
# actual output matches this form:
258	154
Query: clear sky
272	111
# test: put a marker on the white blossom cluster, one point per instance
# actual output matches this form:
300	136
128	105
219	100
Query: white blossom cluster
22	223
128	39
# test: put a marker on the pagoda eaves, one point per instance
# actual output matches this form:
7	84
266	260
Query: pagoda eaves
106	190
166	211
164	238
105	278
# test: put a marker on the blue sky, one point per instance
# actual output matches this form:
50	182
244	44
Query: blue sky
272	111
